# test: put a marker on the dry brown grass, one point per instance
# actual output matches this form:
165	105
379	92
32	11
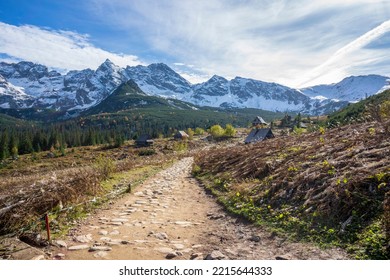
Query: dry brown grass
34	185
332	176
30	198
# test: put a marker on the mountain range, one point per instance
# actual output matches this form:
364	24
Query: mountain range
30	85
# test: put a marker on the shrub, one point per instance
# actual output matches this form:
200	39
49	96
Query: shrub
147	152
196	169
199	131
190	133
386	215
298	130
180	146
104	166
217	131
230	131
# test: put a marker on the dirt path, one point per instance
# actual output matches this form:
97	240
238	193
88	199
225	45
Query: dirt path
171	217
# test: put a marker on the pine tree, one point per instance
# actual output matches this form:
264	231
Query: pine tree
4	145
25	145
13	145
298	120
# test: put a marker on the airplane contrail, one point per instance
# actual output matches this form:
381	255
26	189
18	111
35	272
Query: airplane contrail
356	44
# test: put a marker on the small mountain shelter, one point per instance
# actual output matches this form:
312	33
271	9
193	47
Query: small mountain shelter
258	135
144	140
181	135
259	121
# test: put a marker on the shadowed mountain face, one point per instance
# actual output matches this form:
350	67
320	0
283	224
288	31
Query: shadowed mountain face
128	96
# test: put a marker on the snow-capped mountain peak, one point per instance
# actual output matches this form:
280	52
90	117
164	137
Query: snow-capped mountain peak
26	84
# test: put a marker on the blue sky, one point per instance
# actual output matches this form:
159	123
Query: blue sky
296	43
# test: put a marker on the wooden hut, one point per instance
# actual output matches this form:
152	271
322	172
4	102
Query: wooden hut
259	121
181	135
259	134
144	141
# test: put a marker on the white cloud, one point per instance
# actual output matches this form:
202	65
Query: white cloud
278	40
289	42
57	49
350	56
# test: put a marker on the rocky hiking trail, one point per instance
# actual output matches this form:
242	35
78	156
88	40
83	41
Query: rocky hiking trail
170	216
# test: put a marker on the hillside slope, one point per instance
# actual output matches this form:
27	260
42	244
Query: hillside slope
327	187
360	111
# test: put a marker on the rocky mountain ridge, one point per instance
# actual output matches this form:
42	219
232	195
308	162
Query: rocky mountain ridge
30	85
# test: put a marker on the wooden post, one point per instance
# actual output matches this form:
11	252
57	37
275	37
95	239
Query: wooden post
47	227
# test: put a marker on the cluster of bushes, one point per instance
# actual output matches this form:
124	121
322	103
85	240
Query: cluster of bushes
218	132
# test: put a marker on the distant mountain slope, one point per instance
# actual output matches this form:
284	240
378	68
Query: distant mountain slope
12	96
353	88
248	93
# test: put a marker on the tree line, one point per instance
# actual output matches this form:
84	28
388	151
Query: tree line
17	141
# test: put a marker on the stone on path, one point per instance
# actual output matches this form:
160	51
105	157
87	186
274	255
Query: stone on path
78	247
103	232
255	238
100	254
161	235
171	255
281	258
61	243
195	256
100	248
215	255
120	220
59	256
38	258
114	242
164	250
183	223
178	246
140	202
83	238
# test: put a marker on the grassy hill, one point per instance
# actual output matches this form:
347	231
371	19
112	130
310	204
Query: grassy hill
329	187
360	111
129	96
